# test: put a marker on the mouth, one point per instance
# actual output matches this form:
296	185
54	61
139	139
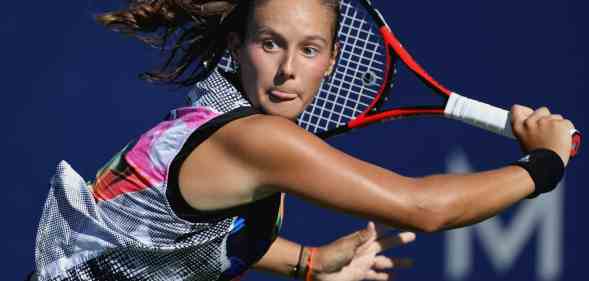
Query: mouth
278	95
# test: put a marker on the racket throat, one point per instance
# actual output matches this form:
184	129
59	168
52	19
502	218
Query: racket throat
398	113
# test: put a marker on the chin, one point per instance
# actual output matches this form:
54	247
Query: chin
289	110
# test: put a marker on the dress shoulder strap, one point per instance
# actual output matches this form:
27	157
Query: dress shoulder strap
179	205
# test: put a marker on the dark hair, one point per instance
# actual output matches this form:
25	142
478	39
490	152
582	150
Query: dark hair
191	33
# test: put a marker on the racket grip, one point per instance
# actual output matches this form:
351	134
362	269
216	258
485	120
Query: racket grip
490	118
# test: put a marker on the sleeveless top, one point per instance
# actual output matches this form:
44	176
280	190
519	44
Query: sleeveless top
131	223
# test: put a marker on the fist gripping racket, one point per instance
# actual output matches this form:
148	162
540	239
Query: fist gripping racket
354	95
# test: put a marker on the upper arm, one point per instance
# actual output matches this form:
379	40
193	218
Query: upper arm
284	157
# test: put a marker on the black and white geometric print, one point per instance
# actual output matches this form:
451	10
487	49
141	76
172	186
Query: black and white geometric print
136	236
218	93
131	237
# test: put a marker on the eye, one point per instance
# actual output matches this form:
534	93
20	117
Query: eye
269	45
310	52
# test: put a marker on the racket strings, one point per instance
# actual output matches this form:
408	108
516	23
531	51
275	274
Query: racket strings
329	94
347	94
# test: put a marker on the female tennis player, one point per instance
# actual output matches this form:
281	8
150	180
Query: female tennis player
200	195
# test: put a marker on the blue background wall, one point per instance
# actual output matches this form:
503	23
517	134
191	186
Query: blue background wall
70	92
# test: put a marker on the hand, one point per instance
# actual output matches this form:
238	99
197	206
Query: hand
354	257
542	129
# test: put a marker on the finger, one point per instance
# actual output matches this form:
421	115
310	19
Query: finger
556	117
532	120
385	243
520	112
369	233
365	237
402	263
568	123
371	229
543	111
386	263
549	119
383	263
373	275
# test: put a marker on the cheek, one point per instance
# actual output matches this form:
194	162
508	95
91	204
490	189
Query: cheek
315	72
255	68
320	66
258	61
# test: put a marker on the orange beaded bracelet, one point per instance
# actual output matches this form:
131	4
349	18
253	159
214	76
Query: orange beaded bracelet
309	276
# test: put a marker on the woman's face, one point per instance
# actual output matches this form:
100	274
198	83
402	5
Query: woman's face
287	51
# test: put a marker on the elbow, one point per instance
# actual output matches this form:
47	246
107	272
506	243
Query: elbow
428	221
431	212
421	215
422	206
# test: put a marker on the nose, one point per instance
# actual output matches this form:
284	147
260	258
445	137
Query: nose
286	69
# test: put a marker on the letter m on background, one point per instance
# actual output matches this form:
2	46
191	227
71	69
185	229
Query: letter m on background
501	242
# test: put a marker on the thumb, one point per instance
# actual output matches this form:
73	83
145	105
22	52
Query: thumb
367	234
335	255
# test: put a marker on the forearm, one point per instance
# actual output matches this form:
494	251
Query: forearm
281	258
450	201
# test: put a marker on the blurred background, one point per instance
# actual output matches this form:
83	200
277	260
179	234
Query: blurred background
71	92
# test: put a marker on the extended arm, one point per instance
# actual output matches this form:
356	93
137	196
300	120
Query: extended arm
284	157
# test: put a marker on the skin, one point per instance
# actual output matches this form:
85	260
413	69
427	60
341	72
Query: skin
285	56
288	49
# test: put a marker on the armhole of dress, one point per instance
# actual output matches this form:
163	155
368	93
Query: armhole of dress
178	204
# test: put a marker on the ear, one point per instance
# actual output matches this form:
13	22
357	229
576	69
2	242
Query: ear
333	59
234	44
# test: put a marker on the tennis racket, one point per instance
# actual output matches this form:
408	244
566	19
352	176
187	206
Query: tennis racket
354	95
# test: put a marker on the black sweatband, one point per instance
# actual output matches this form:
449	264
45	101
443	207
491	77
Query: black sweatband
545	167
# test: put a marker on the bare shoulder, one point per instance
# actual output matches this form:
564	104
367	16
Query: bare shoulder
278	151
266	133
284	157
241	162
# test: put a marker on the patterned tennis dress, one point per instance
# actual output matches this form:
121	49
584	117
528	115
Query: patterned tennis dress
131	223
